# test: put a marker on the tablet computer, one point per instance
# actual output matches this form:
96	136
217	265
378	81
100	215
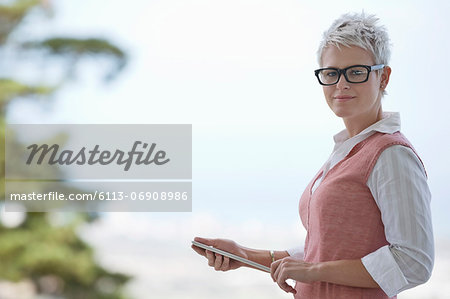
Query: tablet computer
232	256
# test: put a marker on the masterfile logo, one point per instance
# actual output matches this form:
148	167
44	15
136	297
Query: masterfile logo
132	167
100	152
91	157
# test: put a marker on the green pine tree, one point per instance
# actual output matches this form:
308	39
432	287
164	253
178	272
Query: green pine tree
37	250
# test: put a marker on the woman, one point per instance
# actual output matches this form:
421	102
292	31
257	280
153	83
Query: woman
367	211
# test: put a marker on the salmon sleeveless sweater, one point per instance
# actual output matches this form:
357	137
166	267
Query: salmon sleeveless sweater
342	219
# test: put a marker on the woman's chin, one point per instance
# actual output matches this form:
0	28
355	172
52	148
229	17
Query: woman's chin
342	113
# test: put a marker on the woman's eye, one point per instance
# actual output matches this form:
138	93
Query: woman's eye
331	74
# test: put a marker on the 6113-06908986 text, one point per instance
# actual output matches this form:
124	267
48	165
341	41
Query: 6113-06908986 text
115	195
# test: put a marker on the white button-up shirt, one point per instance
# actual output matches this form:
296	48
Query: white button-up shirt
398	184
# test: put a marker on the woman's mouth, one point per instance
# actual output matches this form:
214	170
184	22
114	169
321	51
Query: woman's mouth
343	98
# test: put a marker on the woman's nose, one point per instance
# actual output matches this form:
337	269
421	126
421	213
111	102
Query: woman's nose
342	83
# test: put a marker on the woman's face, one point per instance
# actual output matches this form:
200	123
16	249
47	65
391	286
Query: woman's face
354	101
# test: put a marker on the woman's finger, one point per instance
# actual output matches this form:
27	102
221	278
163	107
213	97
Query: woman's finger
210	257
273	267
277	269
281	281
218	262
199	250
225	264
287	288
277	272
206	241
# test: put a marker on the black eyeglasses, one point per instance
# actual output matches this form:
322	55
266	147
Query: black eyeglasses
353	74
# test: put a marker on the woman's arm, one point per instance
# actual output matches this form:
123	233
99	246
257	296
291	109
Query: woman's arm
398	183
263	257
221	263
344	272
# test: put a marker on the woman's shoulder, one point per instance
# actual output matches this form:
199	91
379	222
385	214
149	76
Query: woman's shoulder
396	148
387	139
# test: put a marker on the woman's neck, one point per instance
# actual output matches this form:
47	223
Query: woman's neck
358	124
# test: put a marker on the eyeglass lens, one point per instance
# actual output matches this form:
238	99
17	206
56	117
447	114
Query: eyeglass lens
354	74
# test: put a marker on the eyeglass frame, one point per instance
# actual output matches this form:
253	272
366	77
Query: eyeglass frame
344	72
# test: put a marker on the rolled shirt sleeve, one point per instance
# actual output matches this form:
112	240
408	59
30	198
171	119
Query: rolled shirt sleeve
398	185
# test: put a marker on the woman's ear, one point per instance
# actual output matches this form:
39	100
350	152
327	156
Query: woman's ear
385	75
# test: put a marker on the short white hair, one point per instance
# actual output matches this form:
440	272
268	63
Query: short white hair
358	29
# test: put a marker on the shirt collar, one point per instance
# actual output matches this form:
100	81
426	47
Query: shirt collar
390	123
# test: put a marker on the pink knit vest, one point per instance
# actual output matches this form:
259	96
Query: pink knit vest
342	218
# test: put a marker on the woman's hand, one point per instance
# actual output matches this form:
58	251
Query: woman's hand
291	268
218	261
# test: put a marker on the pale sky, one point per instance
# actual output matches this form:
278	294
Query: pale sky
241	71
